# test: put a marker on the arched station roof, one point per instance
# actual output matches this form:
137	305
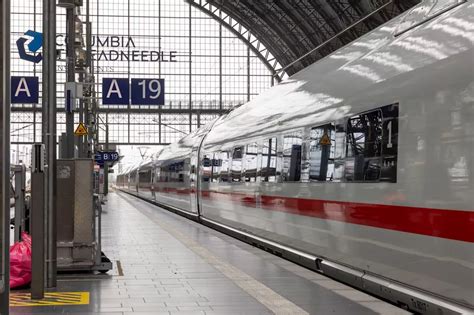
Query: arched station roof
289	35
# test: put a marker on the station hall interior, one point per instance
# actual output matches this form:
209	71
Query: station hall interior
236	157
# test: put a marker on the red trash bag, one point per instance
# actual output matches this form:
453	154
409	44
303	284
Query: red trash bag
20	262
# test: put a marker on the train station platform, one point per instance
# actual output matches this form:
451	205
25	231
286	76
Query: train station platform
166	264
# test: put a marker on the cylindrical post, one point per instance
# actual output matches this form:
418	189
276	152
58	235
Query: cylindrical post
106	163
71	61
4	155
80	140
38	214
49	136
90	80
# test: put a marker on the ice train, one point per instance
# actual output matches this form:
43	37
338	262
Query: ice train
361	166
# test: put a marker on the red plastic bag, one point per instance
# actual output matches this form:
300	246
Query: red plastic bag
20	262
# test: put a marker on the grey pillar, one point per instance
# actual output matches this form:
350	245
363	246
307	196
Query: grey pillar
71	60
38	255
49	136
4	155
106	164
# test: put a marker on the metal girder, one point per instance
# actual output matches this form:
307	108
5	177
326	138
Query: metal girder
241	32
263	32
291	29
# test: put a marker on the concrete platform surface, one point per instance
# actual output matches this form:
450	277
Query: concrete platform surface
166	264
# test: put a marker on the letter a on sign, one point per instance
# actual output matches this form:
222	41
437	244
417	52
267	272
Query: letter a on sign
24	90
115	91
81	130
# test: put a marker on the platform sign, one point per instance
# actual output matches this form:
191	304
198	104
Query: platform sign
24	90
115	91
102	157
148	91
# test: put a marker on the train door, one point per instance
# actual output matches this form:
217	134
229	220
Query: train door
193	180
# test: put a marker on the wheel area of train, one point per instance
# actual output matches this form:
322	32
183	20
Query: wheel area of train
166	264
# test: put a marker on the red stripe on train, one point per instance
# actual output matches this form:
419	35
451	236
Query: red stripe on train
450	224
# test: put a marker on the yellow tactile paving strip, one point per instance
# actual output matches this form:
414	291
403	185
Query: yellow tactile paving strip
50	299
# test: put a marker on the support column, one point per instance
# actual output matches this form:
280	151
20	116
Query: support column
220	64
71	77
4	155
49	136
248	75
106	164
190	72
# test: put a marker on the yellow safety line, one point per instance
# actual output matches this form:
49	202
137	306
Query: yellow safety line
50	299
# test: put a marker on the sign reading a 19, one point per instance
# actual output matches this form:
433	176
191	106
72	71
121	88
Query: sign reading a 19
140	91
148	92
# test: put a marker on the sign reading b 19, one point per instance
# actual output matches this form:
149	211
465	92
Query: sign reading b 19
148	92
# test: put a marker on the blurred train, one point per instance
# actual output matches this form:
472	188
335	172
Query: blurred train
360	167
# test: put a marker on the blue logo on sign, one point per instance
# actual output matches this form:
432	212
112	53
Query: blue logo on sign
36	41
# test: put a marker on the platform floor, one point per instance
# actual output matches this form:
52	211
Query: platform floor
166	264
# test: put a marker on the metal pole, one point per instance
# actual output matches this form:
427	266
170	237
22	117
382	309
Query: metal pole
5	156
106	163
37	211
220	64
190	47
49	136
89	79
71	60
80	140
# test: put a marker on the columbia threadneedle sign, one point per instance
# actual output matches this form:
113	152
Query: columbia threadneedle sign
118	91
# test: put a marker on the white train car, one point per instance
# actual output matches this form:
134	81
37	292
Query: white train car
361	166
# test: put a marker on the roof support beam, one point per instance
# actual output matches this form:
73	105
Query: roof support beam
243	35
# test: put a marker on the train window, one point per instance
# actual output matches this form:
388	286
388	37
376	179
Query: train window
144	177
339	152
371	149
292	142
364	146
224	169
268	161
157	174
250	164
236	169
389	143
206	167
322	152
172	172
216	167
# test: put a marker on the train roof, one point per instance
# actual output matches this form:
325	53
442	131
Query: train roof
356	77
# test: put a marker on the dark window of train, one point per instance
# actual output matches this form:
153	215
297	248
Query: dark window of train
364	147
172	172
144	177
251	163
179	172
224	169
291	171
322	152
388	171
236	169
158	174
372	145
268	161
216	167
206	167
